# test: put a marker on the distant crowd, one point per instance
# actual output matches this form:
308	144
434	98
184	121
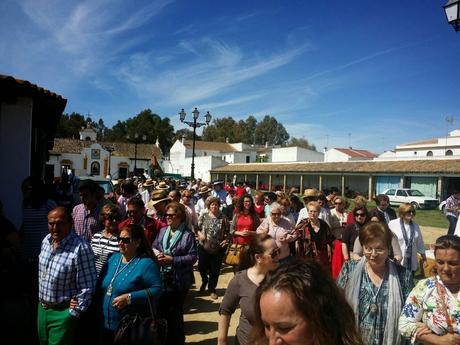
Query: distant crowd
309	268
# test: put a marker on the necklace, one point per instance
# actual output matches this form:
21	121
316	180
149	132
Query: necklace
109	288
374	307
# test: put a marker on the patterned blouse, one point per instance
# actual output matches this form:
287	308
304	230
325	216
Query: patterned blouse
216	229
372	319
425	304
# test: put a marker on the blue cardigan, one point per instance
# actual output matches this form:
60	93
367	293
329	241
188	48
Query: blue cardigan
141	274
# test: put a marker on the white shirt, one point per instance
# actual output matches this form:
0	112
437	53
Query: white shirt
417	246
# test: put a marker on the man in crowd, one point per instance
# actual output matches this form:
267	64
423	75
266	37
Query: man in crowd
86	215
451	209
174	195
157	208
383	212
147	190
66	272
200	205
137	215
219	191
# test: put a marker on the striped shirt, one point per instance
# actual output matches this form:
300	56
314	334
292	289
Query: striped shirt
67	271
35	228
86	224
103	247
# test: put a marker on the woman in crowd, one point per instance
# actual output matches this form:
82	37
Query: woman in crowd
129	191
431	313
245	221
409	236
358	200
338	222
186	200
176	252
260	257
299	304
376	287
269	198
125	279
259	204
213	235
105	242
309	195
351	231
315	238
280	229
286	210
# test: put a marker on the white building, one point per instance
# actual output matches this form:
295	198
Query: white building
87	157
295	154
347	154
437	147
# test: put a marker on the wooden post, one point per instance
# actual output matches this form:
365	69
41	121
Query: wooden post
245	177
440	192
284	183
269	183
301	184
371	184
401	181
320	183
225	179
257	181
343	186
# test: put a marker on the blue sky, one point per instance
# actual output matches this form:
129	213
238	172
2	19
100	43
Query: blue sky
370	74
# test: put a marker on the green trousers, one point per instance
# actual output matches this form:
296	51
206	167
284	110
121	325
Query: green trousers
56	326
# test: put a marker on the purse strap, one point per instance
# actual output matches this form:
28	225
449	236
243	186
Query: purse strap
150	297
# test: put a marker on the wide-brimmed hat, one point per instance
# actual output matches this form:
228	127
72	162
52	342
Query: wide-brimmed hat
162	185
148	183
310	193
216	182
204	190
158	196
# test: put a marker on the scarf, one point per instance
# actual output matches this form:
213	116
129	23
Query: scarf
408	254
391	335
168	245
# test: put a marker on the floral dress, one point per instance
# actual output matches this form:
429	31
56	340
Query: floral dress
433	304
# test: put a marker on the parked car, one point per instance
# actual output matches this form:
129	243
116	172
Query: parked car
106	184
399	196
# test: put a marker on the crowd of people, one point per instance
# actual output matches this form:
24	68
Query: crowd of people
314	268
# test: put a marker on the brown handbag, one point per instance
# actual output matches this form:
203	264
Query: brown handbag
233	253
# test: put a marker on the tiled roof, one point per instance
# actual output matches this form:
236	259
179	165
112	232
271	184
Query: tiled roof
144	151
445	166
11	87
421	142
356	153
210	146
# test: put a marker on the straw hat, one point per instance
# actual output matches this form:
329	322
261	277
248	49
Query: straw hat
310	193
148	183
162	185
158	195
204	190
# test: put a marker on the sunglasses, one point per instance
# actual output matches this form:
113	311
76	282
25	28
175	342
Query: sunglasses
360	215
124	240
112	218
275	253
170	215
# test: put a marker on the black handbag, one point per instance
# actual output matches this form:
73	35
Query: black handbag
137	330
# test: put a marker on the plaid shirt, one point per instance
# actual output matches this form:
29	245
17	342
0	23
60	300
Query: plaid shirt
87	224
67	271
451	203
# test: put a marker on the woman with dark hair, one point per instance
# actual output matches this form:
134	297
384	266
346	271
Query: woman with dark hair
376	287
257	259
299	304
125	279
431	313
213	235
176	251
245	221
351	231
259	204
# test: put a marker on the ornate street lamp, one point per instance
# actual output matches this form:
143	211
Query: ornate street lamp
194	124
136	140
452	9
110	149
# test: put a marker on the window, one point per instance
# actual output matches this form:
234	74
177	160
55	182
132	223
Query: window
248	159
449	153
390	192
122	172
429	154
95	168
401	193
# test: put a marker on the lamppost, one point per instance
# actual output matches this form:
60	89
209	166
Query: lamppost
110	149
452	9
194	124
136	140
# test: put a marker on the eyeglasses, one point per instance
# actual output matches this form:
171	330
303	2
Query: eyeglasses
275	253
170	215
378	251
338	203
124	240
275	213
360	215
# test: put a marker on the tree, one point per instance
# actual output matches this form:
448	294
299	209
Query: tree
184	132
269	130
301	142
221	129
70	125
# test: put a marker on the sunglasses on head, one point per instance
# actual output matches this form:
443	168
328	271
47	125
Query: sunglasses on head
124	240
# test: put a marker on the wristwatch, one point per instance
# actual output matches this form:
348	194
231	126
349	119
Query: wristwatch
129	299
